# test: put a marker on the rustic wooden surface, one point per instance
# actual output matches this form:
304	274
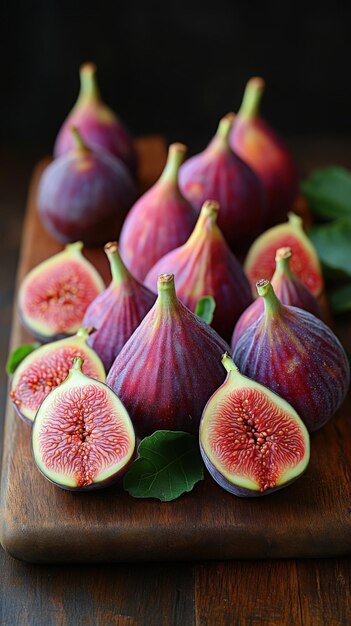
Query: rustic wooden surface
296	592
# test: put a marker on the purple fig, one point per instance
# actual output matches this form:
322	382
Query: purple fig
204	265
288	288
118	310
85	195
260	146
161	220
155	375
82	435
220	174
97	123
251	440
296	355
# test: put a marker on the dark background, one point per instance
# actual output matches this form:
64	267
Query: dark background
175	67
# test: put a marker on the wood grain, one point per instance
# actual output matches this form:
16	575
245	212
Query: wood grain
44	524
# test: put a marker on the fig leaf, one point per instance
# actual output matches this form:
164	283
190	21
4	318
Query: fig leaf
17	356
332	242
340	299
169	464
205	308
328	192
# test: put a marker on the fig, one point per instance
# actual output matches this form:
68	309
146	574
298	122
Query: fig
218	173
155	374
82	435
204	265
296	355
266	153
85	194
260	260
251	440
161	220
54	296
98	124
117	311
288	288
48	366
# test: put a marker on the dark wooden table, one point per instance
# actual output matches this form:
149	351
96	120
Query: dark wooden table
296	592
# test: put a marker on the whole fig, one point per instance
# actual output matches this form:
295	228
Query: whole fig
85	195
97	123
296	355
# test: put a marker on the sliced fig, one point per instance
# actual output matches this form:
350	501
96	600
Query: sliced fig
82	436
54	296
251	440
47	367
260	260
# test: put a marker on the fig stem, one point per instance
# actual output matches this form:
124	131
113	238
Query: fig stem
77	364
252	98
79	142
271	302
221	138
205	222
295	220
166	289
118	269
85	332
228	363
176	156
89	88
77	246
282	260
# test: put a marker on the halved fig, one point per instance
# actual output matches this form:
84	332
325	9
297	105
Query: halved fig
82	436
47	367
260	260
54	296
252	441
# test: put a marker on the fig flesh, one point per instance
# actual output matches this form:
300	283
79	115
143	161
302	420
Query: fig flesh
205	265
251	440
82	436
154	374
117	311
47	367
266	153
296	355
260	260
220	174
161	220
54	296
288	288
97	123
85	194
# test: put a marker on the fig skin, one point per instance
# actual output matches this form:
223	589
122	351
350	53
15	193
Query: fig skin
117	311
76	452
54	296
29	378
85	194
243	416
155	375
161	220
260	259
220	174
296	355
97	123
205	266
288	288
266	153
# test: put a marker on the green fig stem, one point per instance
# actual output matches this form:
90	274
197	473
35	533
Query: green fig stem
79	142
176	156
89	88
221	138
271	303
252	98
205	222
77	364
228	363
166	289
85	332
118	269
77	246
282	260
295	220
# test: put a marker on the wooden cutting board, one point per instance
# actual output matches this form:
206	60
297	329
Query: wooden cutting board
41	523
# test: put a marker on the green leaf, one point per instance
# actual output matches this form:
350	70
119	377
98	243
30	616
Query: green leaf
340	299
328	192
169	464
333	243
205	308
17	356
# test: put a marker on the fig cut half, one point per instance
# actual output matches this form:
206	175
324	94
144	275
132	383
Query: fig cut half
251	440
82	436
